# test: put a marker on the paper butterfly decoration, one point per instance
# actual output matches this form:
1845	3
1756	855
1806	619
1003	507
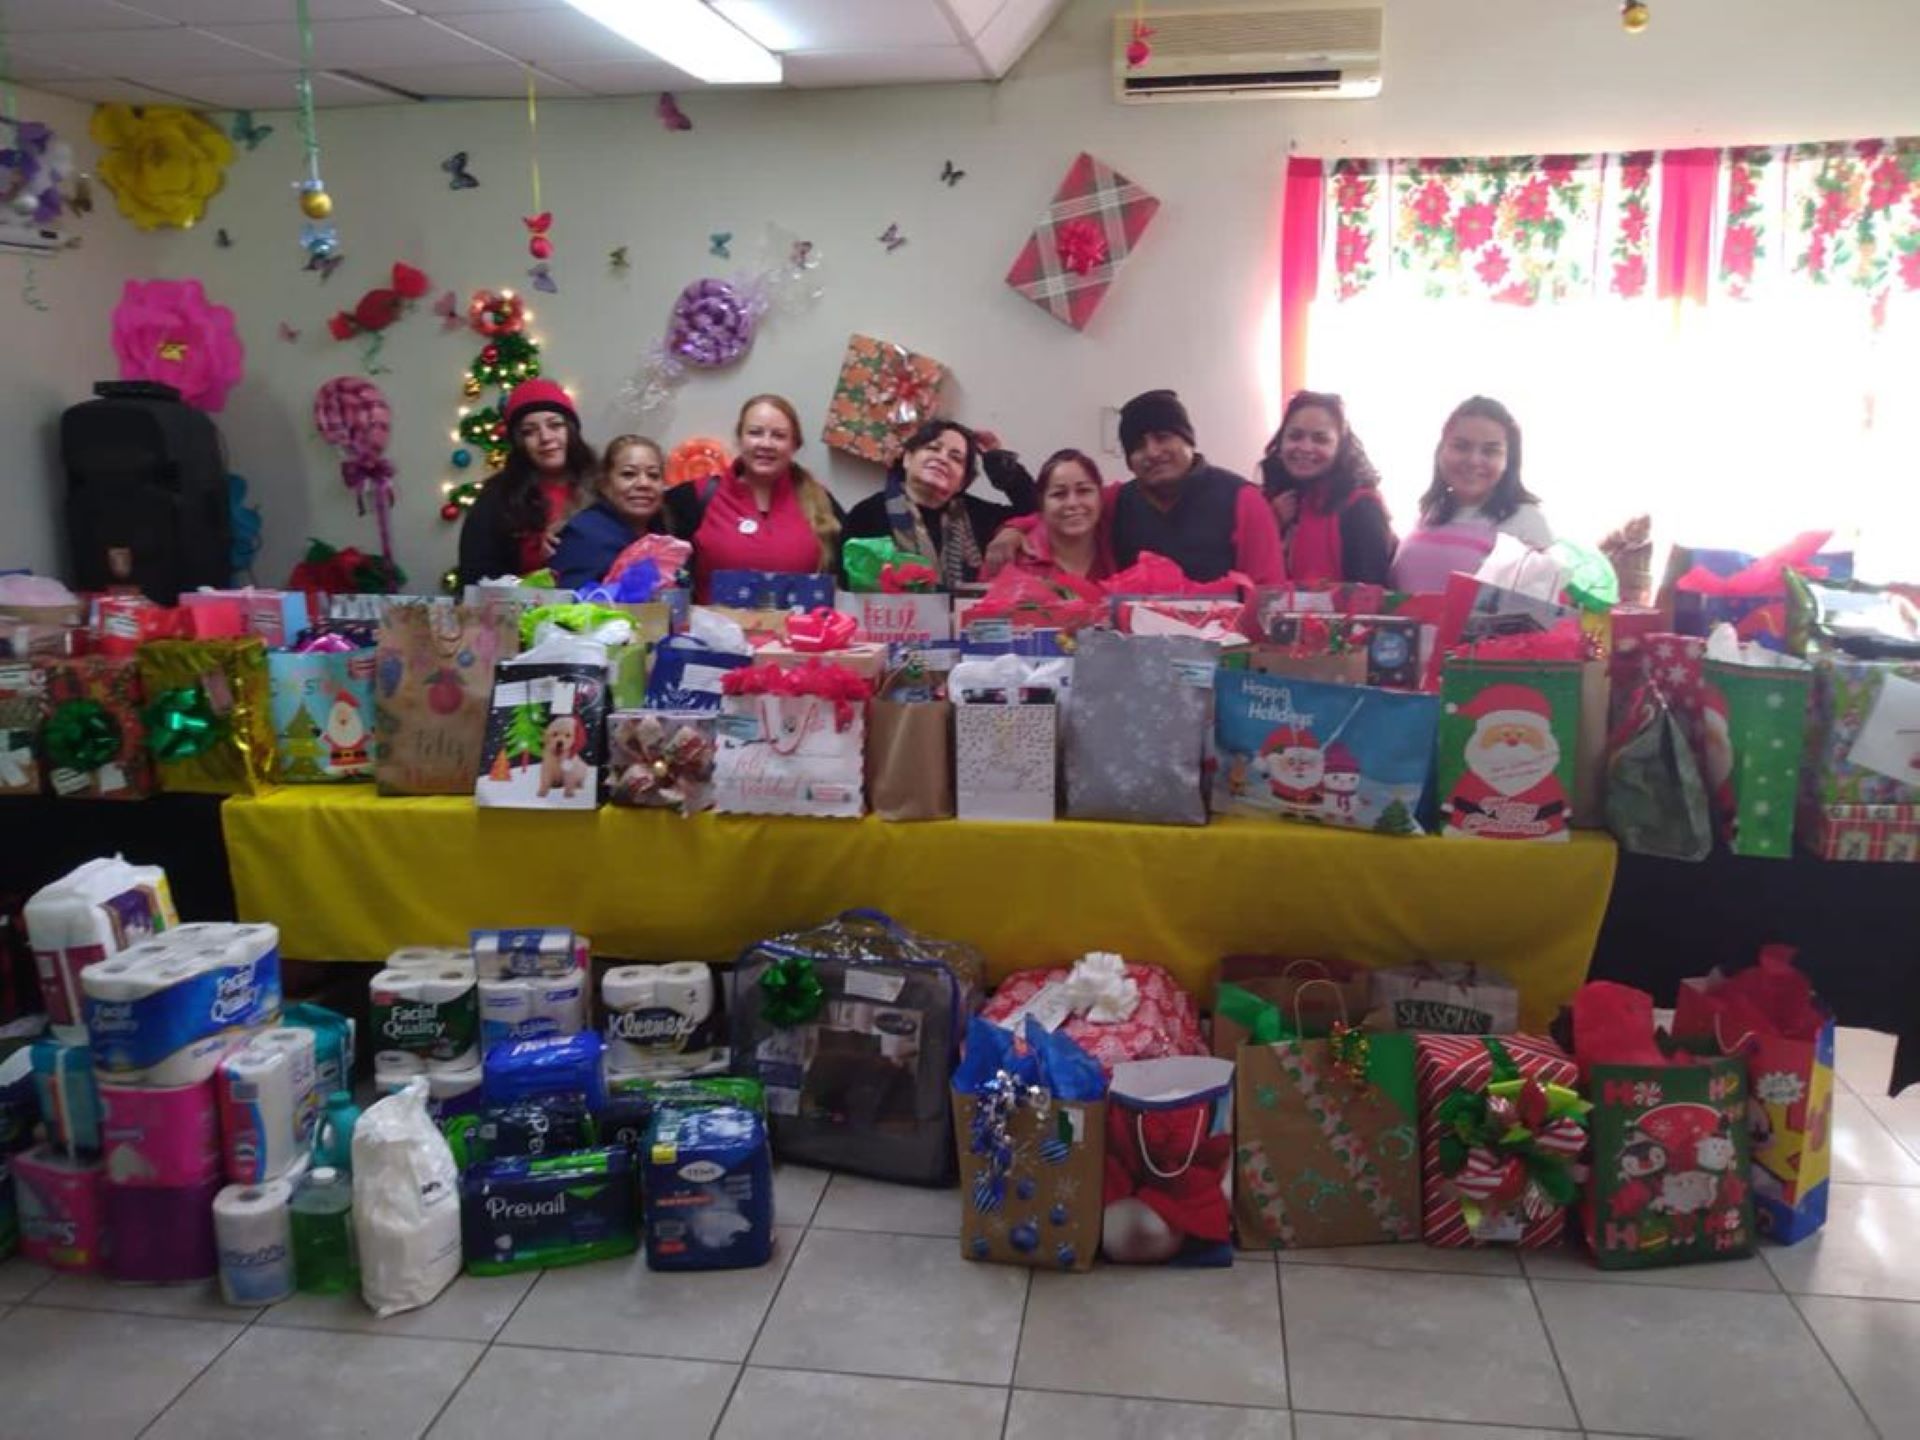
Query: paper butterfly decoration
951	176
718	242
248	133
617	257
893	239
288	333
222	239
456	167
452	317
802	256
324	264
670	113
543	279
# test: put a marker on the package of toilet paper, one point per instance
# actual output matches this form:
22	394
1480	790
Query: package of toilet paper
532	1212
505	954
708	1183
664	1020
163	1011
434	1012
83	918
527	1007
158	1137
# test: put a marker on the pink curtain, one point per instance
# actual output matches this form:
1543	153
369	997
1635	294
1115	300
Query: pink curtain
1299	266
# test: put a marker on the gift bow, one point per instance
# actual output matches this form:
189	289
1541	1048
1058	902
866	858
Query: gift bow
908	577
1081	245
790	991
820	630
901	391
364	471
181	723
670	764
81	735
1515	1142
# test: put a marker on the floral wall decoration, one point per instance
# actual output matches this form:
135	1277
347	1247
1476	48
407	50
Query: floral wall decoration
162	163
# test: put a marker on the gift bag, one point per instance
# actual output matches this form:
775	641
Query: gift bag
686	672
1448	998
1326	1138
910	759
900	619
786	749
1312	994
1770	1015
660	760
1501	1132
322	706
546	729
94	739
1671	1150
1656	801
1167	1196
208	715
1754	724
1137	728
1346	755
1506	744
432	689
771	590
1030	1126
23	713
1006	720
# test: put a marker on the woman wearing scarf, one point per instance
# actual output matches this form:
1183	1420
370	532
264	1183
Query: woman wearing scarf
925	508
1326	495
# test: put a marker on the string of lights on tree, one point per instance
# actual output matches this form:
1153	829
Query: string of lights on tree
509	356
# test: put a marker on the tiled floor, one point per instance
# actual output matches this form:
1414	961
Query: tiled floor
869	1323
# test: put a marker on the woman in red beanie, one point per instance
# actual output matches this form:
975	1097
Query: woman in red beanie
511	525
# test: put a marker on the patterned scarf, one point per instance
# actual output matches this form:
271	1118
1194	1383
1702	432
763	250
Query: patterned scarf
958	554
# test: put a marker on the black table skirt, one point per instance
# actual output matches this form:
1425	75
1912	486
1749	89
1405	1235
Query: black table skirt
41	839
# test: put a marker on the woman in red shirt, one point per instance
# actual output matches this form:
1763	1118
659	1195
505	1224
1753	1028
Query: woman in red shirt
1326	495
766	513
1071	540
512	525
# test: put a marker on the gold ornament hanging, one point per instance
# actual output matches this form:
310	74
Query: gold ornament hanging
1634	16
316	204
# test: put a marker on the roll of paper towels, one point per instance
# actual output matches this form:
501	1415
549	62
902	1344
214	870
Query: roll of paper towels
260	1107
253	1232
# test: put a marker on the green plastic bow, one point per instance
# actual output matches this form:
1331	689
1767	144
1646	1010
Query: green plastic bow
81	735
181	723
1515	1119
790	991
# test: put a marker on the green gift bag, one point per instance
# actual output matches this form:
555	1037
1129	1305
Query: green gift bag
1671	1155
1509	732
1754	721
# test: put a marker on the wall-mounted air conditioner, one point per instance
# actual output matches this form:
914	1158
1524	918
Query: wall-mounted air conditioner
23	237
1330	53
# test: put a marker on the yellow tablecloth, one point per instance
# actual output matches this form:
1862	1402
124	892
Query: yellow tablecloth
347	875
352	876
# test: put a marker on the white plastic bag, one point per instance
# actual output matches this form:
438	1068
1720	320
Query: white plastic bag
406	1203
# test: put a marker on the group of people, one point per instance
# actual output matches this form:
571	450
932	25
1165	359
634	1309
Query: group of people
1315	516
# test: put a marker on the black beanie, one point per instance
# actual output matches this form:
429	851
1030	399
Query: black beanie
1153	410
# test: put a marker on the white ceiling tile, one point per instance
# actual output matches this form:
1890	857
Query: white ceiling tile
975	15
108	91
274	90
1012	31
498	81
481	7
545	37
29	17
840	24
619	77
356	44
230	12
828	68
145	54
31	68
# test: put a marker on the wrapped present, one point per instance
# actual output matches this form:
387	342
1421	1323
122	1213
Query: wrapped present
1859	712
661	760
1302	749
1889	834
322	703
1450	998
771	590
546	728
791	741
1670	1177
433	683
276	616
1753	725
1114	1011
23	711
900	618
686	671
882	395
1071	258
1749	592
1501	1132
95	739
1031	1135
1507	739
1136	732
1770	1015
209	714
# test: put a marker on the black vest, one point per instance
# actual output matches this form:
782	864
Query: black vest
1197	534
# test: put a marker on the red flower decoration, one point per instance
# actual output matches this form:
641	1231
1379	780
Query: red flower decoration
1082	245
1351	244
1889	183
1630	276
1473	226
1430	205
1633	222
1869	149
1492	268
1738	250
1530	202
1833	212
1558	169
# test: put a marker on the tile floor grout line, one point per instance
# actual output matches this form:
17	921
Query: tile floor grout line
1019	1339
485	1350
1525	1429
461	1384
198	1375
1839	1373
1579	1420
746	1358
1286	1360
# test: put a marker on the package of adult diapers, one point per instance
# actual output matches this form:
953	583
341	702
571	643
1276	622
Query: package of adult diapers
82	918
529	1212
556	1065
406	1204
165	1010
549	1125
632	1101
708	1184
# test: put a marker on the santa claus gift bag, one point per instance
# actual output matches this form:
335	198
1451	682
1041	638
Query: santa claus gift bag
546	736
1508	731
1753	728
322	704
1669	1181
1502	1129
1769	1014
1167	1198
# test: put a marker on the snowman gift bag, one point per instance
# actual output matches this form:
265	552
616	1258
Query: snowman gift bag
322	714
432	689
1670	1182
546	737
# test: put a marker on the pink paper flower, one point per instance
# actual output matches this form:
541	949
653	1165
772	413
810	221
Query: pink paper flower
167	330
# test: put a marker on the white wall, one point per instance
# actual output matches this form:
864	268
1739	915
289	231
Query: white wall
1192	309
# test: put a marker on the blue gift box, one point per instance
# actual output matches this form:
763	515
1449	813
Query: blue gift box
771	590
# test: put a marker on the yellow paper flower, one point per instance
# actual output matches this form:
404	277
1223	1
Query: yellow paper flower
162	163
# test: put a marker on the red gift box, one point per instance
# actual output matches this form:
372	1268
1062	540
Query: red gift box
1070	260
1888	834
1165	1022
113	681
1445	1064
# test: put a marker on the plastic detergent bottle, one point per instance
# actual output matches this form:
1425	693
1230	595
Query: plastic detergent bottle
323	1258
333	1136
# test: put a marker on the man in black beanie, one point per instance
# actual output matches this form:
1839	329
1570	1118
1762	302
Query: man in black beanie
1205	519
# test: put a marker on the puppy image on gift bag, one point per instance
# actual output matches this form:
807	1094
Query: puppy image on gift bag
546	728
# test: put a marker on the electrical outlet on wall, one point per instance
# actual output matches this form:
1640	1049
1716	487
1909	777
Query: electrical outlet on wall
1110	431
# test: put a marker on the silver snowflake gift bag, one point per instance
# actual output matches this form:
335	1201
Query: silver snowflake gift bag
1136	730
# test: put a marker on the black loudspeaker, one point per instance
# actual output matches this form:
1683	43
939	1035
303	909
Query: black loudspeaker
146	492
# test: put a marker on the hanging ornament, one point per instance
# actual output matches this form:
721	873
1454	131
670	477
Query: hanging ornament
319	240
539	243
1635	16
353	416
494	313
1138	50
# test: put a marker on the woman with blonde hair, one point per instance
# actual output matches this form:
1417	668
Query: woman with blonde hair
766	512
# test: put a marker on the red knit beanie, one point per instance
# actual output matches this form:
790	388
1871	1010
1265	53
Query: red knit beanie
530	396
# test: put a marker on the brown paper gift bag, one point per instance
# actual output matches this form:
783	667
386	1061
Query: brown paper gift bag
910	759
1333	990
432	686
1047	1213
1590	753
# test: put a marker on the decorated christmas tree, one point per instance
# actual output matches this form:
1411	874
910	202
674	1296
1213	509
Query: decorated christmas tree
526	732
507	356
300	747
1395	820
